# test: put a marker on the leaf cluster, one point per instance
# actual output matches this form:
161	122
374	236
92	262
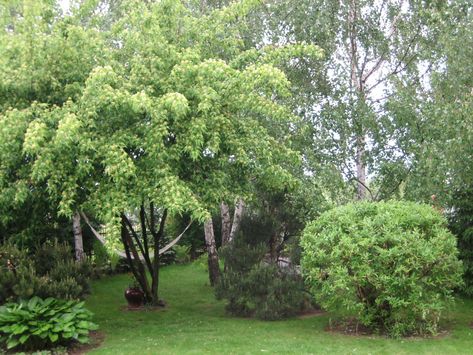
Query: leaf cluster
40	324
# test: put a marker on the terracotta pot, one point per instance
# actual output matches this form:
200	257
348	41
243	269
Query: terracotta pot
134	296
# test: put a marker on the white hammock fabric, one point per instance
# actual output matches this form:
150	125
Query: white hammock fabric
164	249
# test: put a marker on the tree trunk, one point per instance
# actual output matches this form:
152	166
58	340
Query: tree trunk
214	268
139	271
226	223
78	242
360	167
357	83
273	247
157	236
237	216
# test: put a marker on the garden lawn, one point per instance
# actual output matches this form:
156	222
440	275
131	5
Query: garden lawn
195	323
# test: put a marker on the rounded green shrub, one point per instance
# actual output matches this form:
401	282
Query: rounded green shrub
392	266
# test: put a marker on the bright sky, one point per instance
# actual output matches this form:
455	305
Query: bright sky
64	5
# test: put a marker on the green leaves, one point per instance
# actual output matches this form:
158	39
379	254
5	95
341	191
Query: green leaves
392	265
39	324
159	106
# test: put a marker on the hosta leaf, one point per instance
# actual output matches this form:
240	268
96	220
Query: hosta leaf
83	339
24	338
12	342
18	329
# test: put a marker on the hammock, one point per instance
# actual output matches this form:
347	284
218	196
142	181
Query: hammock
101	239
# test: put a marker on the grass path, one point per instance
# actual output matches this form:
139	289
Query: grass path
194	323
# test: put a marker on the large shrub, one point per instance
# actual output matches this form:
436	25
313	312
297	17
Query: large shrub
40	324
48	272
253	287
392	266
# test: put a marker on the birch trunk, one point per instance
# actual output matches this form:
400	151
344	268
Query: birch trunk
360	167
214	269
226	223
78	242
237	216
357	80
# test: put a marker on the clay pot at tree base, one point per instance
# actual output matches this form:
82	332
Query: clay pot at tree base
135	297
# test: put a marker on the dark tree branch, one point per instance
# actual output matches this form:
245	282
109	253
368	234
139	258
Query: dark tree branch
138	242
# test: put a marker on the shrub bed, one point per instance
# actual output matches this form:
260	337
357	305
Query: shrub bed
49	272
392	266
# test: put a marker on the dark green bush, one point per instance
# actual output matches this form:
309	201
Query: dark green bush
461	224
47	255
253	287
18	277
49	272
390	265
182	254
41	324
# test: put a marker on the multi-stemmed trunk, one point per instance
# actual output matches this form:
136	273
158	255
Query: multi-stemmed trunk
237	217
138	250
229	231
231	227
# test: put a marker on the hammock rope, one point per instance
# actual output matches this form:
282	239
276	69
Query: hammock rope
101	239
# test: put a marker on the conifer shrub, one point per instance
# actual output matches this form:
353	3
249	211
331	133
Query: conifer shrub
254	287
48	272
392	266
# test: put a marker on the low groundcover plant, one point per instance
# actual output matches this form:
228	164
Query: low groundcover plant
41	324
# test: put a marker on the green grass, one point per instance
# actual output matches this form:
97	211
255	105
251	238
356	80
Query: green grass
195	323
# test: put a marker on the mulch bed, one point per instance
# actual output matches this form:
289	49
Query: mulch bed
350	327
126	308
311	313
354	328
96	338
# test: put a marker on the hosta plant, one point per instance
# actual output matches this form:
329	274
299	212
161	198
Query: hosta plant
41	324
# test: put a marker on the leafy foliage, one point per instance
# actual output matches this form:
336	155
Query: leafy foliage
253	287
461	224
40	324
392	266
49	272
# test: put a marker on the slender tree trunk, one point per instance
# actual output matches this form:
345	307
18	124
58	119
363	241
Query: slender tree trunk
157	236
214	268
273	247
226	223
360	167
357	83
129	258
78	242
237	216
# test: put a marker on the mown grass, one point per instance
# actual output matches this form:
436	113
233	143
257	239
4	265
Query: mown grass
195	323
